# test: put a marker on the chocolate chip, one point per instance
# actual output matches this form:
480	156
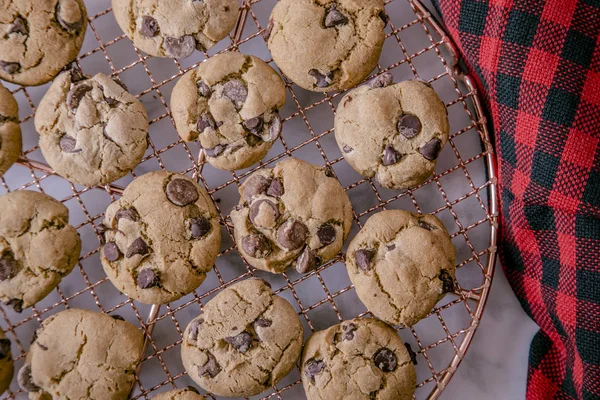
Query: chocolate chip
77	93
147	279
70	26
149	26
179	47
326	234
263	323
313	368
236	91
255	186
194	328
447	281
19	26
335	18
409	126
241	342
306	262
68	143
110	101
8	266
431	150
191	389
138	247
266	33
10	67
256	245
384	17
203	89
321	80
205	121
363	258
292	234
390	155
276	189
76	74
254	125
111	251
411	353
267	211
210	368
383	80
348	331
15	304
117	317
4	348
385	360
127	213
215	151
25	379
347	149
181	192
391	247
426	225
199	227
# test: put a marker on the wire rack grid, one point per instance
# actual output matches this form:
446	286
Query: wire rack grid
462	193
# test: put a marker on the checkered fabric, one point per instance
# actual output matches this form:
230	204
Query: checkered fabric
538	68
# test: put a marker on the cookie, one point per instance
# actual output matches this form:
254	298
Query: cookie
92	131
358	359
38	38
10	130
161	238
38	247
6	363
327	44
231	103
401	265
393	132
189	393
175	28
291	215
246	341
80	354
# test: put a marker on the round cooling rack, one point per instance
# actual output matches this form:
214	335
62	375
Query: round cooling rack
462	193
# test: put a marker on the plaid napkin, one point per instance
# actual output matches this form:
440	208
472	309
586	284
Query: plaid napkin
538	69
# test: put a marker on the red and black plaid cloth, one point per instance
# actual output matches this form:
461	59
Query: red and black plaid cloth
538	64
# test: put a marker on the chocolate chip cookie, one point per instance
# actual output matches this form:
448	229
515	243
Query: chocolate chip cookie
10	130
161	238
6	363
246	341
291	215
327	44
38	38
92	131
189	393
401	265
175	28
231	103
363	358
38	247
393	132
80	354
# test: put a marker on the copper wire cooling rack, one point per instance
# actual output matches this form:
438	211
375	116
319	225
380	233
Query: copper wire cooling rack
462	193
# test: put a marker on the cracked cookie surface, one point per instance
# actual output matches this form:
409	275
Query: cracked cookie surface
363	358
38	247
10	130
38	38
246	340
393	132
92	131
161	238
401	265
325	45
231	104
189	393
291	215
80	354
175	28
6	362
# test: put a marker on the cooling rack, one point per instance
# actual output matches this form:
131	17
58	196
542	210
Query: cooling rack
462	193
